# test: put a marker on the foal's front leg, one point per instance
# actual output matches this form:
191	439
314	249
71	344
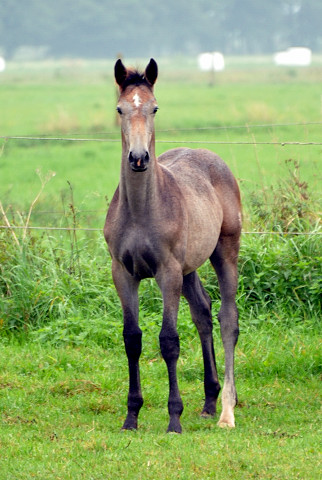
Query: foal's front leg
127	288
170	283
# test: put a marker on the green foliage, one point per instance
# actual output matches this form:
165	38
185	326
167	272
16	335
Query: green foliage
282	271
67	296
287	206
43	283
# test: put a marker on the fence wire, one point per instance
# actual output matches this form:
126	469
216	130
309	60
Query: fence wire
95	229
81	137
200	142
86	137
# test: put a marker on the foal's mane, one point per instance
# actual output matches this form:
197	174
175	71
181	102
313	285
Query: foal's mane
134	77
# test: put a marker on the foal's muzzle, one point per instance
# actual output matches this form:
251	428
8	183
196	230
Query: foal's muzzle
139	161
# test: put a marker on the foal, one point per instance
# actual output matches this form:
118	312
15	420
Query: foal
166	218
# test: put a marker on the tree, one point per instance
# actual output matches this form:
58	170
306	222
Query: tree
101	28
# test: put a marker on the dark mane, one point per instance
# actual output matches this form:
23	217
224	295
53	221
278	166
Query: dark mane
134	77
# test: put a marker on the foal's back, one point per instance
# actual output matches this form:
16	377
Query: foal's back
204	175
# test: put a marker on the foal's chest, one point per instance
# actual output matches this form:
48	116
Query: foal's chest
139	255
140	264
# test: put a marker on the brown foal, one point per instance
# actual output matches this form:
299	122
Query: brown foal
167	217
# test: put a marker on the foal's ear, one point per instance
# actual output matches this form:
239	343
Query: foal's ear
120	72
151	72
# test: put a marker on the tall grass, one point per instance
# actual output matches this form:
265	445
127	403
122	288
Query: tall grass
60	290
44	288
58	286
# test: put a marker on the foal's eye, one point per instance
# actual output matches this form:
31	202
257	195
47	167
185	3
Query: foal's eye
155	109
119	110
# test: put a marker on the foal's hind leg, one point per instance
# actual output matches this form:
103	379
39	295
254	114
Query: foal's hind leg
200	308
224	260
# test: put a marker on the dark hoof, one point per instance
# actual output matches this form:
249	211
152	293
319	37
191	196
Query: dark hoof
209	408
130	423
205	414
126	429
174	426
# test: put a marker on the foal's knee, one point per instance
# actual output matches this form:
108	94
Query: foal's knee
170	346
228	319
133	344
228	313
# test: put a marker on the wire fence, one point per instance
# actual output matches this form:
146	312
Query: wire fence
96	229
86	137
187	142
100	229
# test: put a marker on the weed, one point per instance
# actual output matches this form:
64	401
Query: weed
289	206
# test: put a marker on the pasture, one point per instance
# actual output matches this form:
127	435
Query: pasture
63	374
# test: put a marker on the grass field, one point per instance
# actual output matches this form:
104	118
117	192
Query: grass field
60	103
63	370
62	409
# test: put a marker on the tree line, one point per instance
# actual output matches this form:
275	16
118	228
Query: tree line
102	28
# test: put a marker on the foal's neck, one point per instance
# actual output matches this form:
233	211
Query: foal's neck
139	191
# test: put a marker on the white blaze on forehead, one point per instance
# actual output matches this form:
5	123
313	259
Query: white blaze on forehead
137	100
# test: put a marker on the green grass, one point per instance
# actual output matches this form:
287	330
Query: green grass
63	292
63	370
66	105
62	408
64	380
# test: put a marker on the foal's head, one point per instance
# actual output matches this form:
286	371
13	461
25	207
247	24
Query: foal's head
137	107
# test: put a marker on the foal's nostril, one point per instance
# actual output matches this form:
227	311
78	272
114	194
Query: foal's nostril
139	160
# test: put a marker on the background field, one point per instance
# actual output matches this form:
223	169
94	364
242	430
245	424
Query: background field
63	100
63	374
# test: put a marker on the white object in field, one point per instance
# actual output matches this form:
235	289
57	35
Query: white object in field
294	57
211	62
2	64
